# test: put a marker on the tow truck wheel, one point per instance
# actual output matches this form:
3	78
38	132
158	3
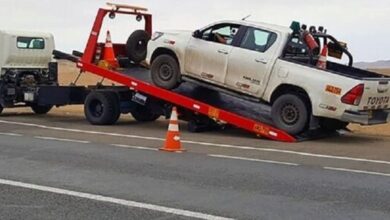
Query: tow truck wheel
290	113
165	72
143	114
102	108
41	109
136	46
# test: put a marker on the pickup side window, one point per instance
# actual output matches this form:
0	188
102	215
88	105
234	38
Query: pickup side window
221	33
30	43
258	40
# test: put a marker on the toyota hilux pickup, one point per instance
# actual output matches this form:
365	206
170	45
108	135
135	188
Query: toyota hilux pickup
275	65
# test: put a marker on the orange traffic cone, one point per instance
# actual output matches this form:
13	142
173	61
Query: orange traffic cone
172	142
109	60
323	58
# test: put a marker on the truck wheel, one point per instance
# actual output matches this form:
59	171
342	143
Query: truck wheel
41	109
143	114
136	46
102	108
329	124
1	109
165	72
290	113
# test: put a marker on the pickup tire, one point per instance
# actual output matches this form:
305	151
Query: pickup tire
165	72
102	108
41	109
136	46
143	114
290	113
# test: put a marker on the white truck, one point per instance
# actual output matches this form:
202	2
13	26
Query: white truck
275	65
25	64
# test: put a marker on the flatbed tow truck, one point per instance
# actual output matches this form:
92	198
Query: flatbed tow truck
201	107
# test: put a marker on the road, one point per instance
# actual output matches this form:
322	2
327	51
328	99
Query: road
60	167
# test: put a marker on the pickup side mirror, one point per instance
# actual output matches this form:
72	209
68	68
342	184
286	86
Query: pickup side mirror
197	34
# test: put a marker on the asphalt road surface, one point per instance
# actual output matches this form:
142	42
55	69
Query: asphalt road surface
60	167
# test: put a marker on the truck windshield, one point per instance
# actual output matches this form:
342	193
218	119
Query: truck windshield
30	43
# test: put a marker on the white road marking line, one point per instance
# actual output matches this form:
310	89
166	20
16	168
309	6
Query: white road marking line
357	171
63	140
134	147
252	160
202	143
112	200
10	134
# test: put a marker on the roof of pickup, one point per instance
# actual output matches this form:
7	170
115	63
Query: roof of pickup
274	27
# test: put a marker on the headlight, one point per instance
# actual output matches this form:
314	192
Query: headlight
157	35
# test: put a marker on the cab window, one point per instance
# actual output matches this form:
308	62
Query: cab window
222	33
30	43
258	40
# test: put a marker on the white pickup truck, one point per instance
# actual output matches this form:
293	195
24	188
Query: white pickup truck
273	64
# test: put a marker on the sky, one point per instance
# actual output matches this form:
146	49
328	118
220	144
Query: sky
363	24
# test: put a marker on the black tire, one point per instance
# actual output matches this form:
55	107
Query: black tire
291	113
329	124
102	108
1	109
143	114
166	72
41	109
136	46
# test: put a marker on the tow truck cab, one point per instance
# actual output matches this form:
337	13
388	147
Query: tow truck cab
25	63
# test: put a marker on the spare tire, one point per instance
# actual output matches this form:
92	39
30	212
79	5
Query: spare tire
136	46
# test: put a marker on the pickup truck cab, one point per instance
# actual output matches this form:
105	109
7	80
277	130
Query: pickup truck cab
25	64
275	65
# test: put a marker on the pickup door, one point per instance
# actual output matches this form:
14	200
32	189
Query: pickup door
206	58
250	64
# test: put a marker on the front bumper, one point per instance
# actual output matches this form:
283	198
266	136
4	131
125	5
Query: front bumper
367	117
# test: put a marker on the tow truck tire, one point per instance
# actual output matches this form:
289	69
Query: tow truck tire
290	113
329	124
165	72
143	114
41	109
136	46
102	108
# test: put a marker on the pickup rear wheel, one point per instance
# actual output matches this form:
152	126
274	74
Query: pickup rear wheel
166	72
102	108
290	113
41	109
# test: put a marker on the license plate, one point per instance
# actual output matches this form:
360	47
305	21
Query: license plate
373	101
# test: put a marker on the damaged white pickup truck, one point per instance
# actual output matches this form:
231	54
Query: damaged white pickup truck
276	65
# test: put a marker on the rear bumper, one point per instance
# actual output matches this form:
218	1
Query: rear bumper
367	118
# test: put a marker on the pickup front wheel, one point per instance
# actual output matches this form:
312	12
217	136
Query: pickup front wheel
165	72
290	113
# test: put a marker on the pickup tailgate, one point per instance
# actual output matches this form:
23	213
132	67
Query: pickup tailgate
376	94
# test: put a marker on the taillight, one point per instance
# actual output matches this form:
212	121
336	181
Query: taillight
354	96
